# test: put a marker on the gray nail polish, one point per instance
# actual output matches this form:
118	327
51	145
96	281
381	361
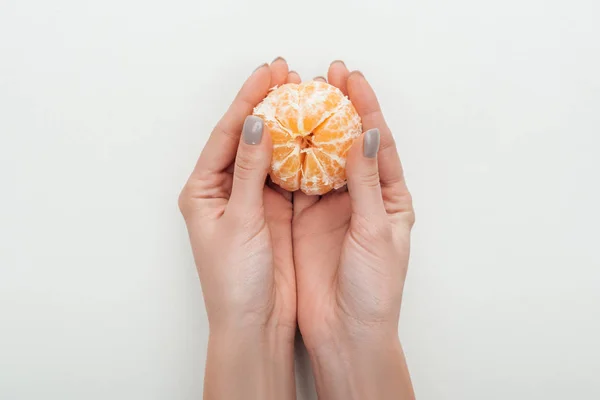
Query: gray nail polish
371	143
253	130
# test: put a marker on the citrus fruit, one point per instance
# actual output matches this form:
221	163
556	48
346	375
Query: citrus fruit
312	126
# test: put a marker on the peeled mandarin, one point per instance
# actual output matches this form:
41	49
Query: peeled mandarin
312	126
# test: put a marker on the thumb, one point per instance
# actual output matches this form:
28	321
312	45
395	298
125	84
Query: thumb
363	175
251	166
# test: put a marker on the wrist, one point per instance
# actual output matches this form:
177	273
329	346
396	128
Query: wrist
347	346
275	321
253	329
347	333
355	367
270	340
259	361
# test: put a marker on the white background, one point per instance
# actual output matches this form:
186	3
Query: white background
105	105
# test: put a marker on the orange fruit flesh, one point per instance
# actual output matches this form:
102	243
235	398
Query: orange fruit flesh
312	126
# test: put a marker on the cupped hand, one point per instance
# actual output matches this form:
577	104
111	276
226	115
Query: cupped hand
240	231
351	248
239	228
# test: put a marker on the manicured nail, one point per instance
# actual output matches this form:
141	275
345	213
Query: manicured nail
371	143
338	61
319	78
277	59
253	129
293	72
357	72
259	67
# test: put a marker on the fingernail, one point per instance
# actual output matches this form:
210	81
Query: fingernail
277	59
319	78
259	67
357	72
293	72
338	61
253	130
371	143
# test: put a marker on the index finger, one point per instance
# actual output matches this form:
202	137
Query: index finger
363	97
338	75
222	144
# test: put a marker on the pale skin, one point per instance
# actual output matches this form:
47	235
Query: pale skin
270	261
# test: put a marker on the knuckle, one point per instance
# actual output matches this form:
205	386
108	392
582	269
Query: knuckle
400	202
410	219
184	200
221	130
243	172
410	215
388	146
370	179
198	190
246	165
405	199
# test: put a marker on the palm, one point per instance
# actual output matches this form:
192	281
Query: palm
275	232
278	216
253	233
350	263
269	236
319	233
336	255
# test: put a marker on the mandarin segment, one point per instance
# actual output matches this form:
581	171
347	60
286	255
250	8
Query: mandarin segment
312	126
317	102
282	105
286	170
333	166
344	124
278	134
291	183
339	147
281	151
314	178
288	165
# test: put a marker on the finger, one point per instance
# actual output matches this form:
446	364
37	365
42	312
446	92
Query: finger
279	71
336	192
303	201
363	97
222	144
293	77
363	175
286	195
279	76
320	78
342	189
338	75
251	166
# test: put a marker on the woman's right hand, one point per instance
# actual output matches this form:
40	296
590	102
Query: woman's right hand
351	253
240	233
